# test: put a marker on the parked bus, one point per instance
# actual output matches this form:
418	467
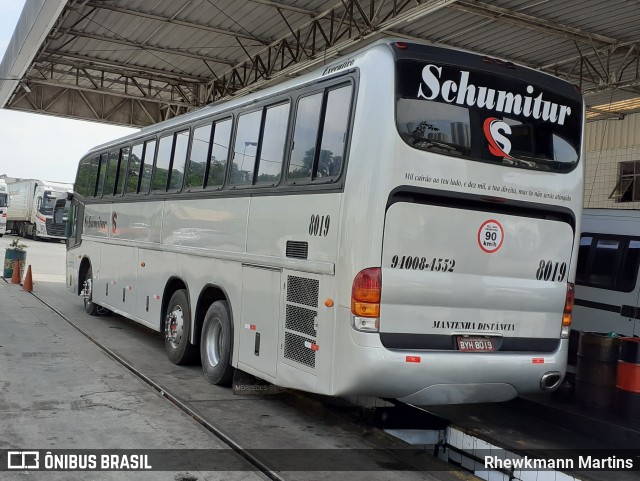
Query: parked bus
4	203
607	288
399	223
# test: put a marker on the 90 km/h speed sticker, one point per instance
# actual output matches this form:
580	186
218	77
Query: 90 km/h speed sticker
490	236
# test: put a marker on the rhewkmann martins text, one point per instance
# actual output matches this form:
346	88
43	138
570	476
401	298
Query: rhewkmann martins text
583	462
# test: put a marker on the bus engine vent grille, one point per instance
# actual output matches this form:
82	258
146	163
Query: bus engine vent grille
301	320
303	291
296	350
297	249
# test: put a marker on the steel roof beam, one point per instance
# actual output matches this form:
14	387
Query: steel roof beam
314	14
321	38
65	77
112	93
172	51
284	6
608	113
61	100
506	15
79	61
182	23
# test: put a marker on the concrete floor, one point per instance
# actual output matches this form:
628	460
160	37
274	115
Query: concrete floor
59	390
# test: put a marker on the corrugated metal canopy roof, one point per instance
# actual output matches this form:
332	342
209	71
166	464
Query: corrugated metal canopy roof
136	62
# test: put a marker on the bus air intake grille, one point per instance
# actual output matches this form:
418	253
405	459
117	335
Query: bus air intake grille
301	320
295	349
303	291
297	249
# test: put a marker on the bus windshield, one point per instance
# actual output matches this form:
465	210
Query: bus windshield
486	117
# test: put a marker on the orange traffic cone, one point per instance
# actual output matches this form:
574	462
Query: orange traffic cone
28	281
15	278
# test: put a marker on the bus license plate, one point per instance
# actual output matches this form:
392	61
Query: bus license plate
475	344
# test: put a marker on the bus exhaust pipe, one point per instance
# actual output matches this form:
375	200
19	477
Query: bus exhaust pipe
550	381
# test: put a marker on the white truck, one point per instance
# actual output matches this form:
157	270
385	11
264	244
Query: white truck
4	202
31	208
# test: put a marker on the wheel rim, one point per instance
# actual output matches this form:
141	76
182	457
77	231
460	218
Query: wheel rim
175	325
88	292
214	343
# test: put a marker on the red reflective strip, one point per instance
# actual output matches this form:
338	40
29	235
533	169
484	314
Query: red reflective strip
537	360
315	347
156	298
413	358
252	327
42	218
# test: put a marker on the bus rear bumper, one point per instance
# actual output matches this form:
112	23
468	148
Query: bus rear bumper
441	377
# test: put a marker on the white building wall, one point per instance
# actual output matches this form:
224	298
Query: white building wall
609	142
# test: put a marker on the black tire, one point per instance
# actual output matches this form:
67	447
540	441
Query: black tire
216	344
177	329
90	307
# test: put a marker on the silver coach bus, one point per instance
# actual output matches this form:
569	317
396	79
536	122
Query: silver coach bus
399	223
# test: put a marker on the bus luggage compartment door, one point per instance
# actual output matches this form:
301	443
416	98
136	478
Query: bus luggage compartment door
261	299
451	274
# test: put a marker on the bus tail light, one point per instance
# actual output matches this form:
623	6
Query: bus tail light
365	299
568	311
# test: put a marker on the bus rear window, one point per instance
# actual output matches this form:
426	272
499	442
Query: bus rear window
482	116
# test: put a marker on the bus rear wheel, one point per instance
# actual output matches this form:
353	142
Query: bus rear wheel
177	322
87	293
216	344
91	307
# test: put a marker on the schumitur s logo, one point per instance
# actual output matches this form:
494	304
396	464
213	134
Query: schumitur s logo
495	130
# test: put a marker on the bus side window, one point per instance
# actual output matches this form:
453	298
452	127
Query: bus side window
93	176
147	166
83	179
246	146
122	170
112	171
179	160
101	174
274	134
197	168
219	154
304	137
334	133
133	174
163	162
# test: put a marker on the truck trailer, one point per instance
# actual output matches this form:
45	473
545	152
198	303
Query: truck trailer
31	205
4	202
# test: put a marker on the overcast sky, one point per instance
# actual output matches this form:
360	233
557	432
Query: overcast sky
42	146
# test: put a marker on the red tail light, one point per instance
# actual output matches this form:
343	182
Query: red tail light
365	293
568	305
